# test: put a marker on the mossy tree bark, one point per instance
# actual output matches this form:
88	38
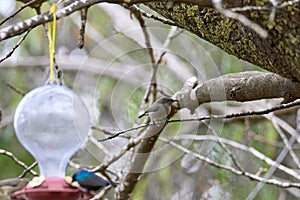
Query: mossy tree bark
278	53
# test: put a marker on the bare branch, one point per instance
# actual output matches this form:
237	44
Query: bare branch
243	114
239	146
153	82
248	8
138	161
21	27
29	3
15	89
83	15
6	120
243	86
286	142
229	116
16	46
114	135
279	159
27	169
14	158
102	193
115	157
227	150
243	19
232	170
155	17
11	185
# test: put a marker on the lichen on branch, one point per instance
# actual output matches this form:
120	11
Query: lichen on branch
278	53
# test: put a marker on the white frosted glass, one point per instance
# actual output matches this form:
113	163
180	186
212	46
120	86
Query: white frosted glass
52	123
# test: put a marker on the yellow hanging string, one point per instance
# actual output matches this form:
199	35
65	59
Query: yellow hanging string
52	38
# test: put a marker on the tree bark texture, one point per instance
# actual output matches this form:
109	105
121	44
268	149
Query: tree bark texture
278	53
241	87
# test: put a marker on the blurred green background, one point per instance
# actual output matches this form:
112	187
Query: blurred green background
111	73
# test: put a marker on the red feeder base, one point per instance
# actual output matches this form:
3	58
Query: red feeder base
51	189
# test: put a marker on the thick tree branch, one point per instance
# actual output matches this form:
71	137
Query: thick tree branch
138	162
243	86
21	27
278	53
218	4
236	87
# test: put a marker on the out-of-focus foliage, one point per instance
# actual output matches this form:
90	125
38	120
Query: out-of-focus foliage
111	73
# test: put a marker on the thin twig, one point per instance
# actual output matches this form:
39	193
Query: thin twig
229	116
286	126
6	120
156	17
242	114
99	145
14	158
17	11
239	146
15	89
125	131
243	19
16	46
102	193
153	82
231	155
83	15
263	140
74	165
228	168
171	35
286	142
115	157
27	170
249	8
279	159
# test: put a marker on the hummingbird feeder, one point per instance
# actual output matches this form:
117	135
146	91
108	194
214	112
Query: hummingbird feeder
51	122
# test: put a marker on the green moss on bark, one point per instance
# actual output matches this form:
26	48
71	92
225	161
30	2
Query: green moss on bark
279	53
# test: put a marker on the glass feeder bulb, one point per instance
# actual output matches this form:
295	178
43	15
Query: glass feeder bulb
52	122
